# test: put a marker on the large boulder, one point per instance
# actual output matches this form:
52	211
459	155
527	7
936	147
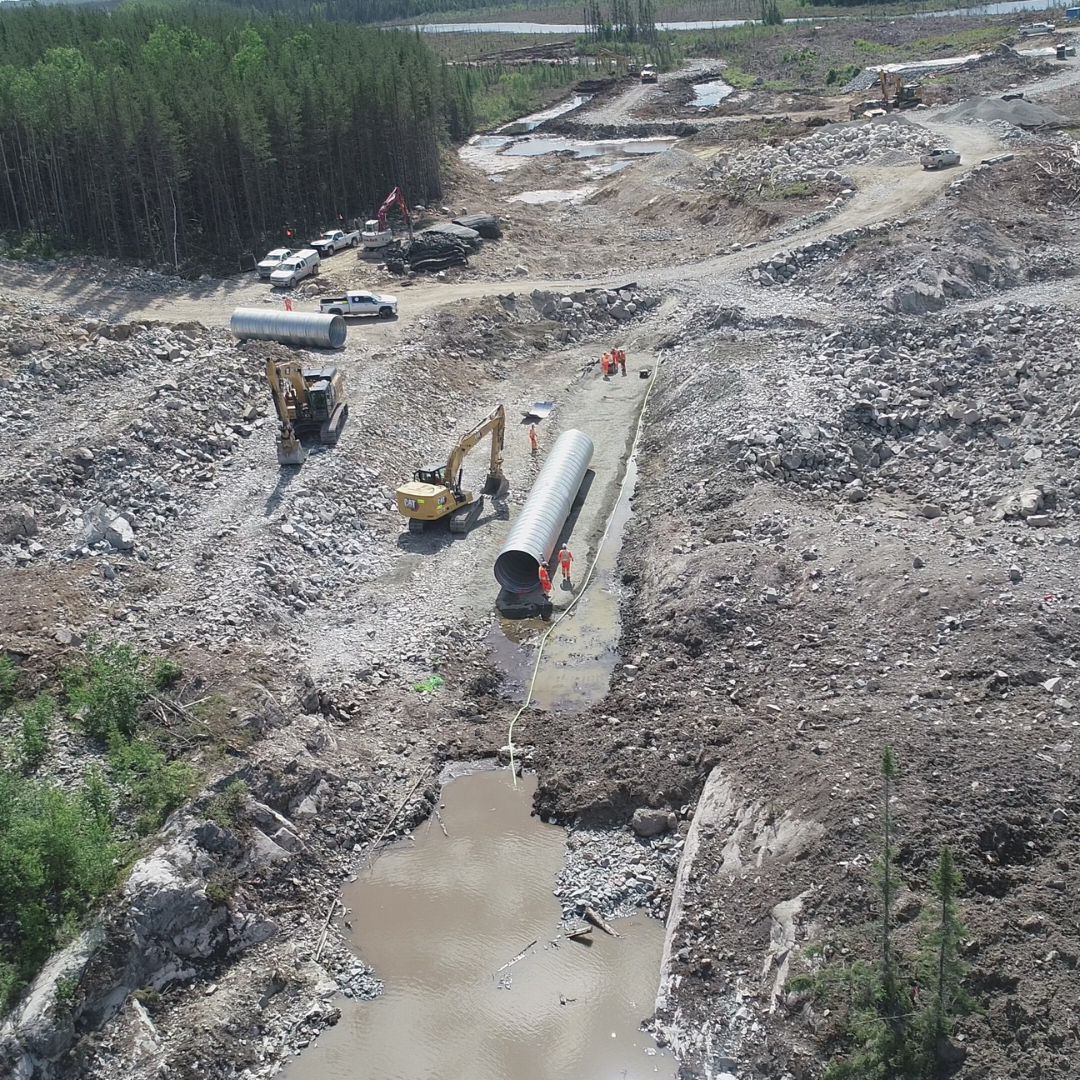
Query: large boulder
17	522
647	822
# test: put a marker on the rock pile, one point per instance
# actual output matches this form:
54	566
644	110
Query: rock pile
594	310
785	264
617	873
976	415
820	156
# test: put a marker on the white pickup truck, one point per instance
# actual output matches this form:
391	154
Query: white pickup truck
940	158
272	261
335	240
359	303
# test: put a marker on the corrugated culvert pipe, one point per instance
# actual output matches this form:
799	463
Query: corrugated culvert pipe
533	536
289	327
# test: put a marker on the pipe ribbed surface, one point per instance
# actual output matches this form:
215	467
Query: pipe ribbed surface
533	537
289	327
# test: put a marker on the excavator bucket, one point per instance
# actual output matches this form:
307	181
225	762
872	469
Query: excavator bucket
290	452
496	484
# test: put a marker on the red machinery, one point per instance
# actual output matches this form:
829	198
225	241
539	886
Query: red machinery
395	198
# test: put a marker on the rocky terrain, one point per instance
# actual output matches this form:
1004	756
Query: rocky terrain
855	523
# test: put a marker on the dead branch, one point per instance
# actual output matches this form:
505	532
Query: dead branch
598	920
514	959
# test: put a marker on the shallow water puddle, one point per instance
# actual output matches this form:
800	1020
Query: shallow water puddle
438	918
708	94
528	123
543	196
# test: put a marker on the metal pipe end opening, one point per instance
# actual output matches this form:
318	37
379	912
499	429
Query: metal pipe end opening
517	571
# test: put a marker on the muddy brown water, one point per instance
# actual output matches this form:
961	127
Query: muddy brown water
439	917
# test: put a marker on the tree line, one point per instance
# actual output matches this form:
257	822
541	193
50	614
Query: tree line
620	20
188	136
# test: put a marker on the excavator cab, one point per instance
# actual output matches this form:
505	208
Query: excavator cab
436	476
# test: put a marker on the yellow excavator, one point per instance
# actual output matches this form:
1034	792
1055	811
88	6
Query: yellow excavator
309	401
435	494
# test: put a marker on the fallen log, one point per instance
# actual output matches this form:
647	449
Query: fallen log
514	959
598	920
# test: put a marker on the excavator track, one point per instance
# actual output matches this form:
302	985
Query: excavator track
461	521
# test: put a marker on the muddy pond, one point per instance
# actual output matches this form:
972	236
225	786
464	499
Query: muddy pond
440	917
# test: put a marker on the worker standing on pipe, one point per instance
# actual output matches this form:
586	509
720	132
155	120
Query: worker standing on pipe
566	557
545	581
533	446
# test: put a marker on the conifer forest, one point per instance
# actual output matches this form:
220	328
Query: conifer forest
188	136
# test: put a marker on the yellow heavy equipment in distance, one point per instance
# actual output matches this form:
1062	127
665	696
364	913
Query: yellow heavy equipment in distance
436	494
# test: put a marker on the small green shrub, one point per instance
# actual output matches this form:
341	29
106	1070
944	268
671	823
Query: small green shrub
227	807
107	691
33	737
156	785
66	989
9	675
841	76
221	886
56	860
166	673
97	796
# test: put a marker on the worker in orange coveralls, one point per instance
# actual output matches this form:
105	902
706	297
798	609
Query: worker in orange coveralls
545	581
532	438
620	356
566	557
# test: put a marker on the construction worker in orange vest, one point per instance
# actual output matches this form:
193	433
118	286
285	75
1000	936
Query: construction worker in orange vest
545	581
605	365
566	557
621	357
532	438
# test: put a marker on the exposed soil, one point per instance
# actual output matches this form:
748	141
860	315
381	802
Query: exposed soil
852	527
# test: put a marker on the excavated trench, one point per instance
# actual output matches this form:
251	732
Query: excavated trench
439	915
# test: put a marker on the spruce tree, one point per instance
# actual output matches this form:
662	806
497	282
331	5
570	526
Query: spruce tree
941	969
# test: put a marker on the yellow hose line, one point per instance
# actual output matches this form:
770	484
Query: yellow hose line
588	576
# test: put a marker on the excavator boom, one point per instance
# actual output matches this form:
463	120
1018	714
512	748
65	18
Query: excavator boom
436	494
395	198
495	423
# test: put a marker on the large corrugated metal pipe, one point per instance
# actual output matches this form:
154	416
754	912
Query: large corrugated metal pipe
289	327
536	531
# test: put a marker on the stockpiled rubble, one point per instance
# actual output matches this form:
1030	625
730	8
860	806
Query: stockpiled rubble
127	490
821	156
973	415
